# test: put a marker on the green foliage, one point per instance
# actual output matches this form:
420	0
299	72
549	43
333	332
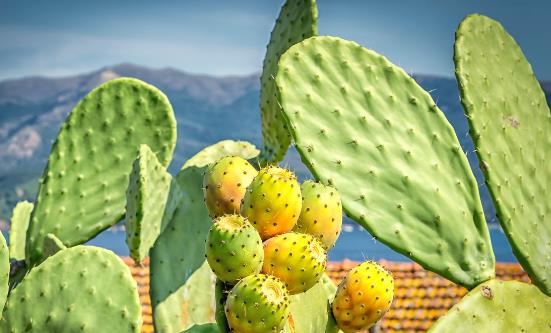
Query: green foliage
297	20
82	190
18	229
4	271
498	306
511	126
394	158
73	291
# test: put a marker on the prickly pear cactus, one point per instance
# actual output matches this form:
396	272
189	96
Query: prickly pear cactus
257	303
224	184
297	20
498	306
272	202
146	199
296	259
510	125
394	158
363	297
52	245
4	271
205	328
18	229
182	292
82	190
73	291
234	248
321	214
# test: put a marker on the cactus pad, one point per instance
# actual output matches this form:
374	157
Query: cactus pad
4	271
146	198
321	214
182	292
18	229
296	259
224	184
363	297
205	328
51	246
498	306
257	303
394	158
82	190
272	202
80	289
511	126
234	248
297	20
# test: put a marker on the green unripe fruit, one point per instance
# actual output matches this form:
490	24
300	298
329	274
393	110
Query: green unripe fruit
321	214
257	304
224	184
272	202
296	259
234	248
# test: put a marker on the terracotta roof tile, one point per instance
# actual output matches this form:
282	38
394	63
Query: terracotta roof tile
421	297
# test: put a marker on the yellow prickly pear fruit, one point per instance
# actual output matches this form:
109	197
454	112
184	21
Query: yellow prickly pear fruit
225	183
321	214
363	297
296	259
272	202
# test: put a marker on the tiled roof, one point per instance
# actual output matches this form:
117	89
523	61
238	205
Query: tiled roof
420	297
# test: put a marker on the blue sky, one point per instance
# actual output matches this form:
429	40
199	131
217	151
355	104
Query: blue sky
56	38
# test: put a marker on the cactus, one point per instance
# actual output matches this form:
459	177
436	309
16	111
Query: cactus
82	190
72	291
234	248
4	271
498	306
146	199
321	214
257	303
225	183
296	259
297	20
181	281
397	165
363	297
205	328
51	246
18	229
510	126
272	202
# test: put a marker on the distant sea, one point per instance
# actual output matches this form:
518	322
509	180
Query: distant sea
354	243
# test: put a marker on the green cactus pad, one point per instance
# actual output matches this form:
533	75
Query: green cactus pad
4	271
511	126
363	125
80	289
18	229
297	20
205	328
82	191
146	198
51	246
182	284
498	306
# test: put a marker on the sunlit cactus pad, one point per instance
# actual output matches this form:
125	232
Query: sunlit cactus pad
498	306
297	20
81	289
19	224
4	271
511	128
82	190
393	157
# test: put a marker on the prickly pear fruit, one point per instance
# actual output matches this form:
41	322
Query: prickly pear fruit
321	214
224	184
234	248
363	297
272	202
296	259
257	304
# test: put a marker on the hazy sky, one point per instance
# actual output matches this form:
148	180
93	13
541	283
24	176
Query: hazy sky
48	37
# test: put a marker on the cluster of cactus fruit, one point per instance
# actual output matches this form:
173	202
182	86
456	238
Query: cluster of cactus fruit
370	136
269	240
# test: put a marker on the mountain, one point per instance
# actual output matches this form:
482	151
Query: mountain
207	108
